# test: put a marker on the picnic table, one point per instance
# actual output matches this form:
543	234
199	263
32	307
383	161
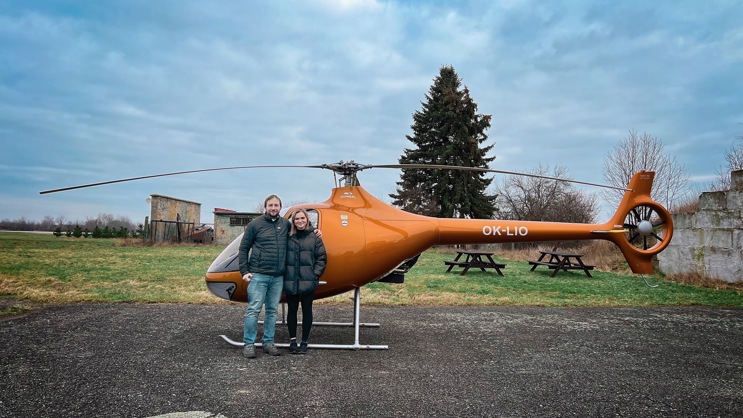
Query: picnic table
474	259
557	261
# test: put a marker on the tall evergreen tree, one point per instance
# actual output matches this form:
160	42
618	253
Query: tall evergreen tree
447	131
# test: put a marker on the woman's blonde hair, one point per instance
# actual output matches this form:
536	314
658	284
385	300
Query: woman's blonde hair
307	215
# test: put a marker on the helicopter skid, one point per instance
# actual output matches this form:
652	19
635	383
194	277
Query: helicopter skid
356	324
316	346
333	324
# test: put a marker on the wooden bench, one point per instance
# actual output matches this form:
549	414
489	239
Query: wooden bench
474	259
452	263
561	261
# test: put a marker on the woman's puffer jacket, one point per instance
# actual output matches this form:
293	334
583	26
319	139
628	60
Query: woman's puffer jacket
305	263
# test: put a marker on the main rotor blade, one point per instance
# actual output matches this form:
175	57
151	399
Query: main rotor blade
488	170
175	174
346	168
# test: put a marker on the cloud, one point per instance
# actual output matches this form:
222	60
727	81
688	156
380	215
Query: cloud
95	92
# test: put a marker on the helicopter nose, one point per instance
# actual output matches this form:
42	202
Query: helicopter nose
222	289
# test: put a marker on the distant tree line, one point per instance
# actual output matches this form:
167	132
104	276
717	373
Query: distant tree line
103	226
106	232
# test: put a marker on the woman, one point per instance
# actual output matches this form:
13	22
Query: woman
305	263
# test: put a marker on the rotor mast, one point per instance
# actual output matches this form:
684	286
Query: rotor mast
347	171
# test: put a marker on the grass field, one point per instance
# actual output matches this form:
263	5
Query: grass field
41	268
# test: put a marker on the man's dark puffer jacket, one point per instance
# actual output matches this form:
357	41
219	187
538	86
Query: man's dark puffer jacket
265	239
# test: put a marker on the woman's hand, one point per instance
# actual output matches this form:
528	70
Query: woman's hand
247	277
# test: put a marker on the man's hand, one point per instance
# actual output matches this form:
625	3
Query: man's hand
247	277
318	233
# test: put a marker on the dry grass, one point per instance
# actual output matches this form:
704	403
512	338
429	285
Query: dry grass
602	254
690	205
696	279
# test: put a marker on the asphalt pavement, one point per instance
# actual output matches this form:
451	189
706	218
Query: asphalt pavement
146	360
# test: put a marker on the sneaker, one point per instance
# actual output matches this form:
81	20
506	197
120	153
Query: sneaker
303	348
293	348
249	351
271	349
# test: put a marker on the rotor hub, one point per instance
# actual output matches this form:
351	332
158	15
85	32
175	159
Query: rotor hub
347	168
347	171
645	227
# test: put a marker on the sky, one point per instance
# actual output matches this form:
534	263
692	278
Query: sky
93	91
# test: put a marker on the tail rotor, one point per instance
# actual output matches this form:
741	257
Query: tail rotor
645	224
647	227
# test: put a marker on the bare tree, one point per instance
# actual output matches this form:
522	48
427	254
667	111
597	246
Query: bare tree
734	158
47	224
644	152
60	220
734	155
539	199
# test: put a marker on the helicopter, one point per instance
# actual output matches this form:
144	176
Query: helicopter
368	240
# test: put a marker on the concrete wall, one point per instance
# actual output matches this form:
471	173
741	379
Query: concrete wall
710	241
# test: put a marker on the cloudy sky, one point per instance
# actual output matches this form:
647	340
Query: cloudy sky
99	90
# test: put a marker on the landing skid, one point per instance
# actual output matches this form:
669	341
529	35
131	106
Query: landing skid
356	324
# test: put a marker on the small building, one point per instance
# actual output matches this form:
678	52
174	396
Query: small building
229	224
203	234
172	219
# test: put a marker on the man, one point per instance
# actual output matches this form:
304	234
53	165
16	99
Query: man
262	258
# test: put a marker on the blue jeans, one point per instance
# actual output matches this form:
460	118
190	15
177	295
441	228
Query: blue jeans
262	288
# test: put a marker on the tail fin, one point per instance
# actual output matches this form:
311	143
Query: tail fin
641	227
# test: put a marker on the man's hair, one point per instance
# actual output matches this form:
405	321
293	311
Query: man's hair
273	196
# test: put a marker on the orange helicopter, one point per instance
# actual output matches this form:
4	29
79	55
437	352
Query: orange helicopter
368	240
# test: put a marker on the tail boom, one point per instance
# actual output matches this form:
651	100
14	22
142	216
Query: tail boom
640	227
